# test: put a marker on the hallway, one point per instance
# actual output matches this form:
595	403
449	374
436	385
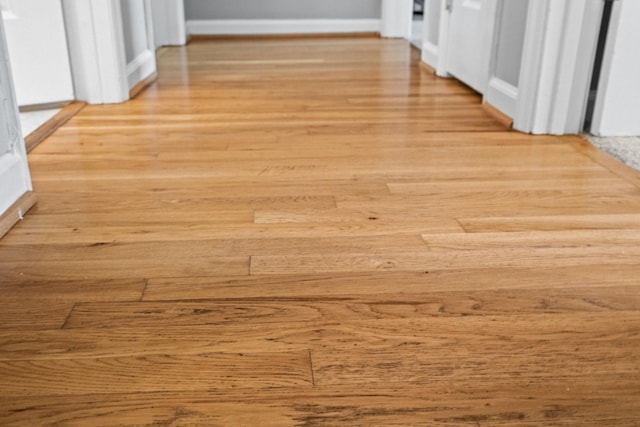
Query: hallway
318	231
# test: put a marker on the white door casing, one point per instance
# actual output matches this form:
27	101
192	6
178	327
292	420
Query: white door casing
15	180
37	43
617	105
169	22
506	55
140	48
96	45
431	41
396	18
471	31
557	64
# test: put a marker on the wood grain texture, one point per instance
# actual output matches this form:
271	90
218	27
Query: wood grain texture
43	132
142	85
16	212
318	232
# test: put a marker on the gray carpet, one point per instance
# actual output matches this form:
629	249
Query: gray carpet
625	149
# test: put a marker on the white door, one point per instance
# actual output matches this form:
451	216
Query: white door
471	28
38	50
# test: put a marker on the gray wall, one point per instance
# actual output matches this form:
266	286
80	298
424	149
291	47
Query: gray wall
135	28
283	9
512	22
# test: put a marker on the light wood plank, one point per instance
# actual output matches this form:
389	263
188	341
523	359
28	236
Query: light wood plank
385	284
317	232
336	406
348	308
166	265
154	373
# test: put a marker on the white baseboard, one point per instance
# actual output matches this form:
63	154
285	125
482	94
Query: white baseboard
430	55
281	26
503	96
141	67
13	178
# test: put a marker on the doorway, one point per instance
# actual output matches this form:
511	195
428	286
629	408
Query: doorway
417	24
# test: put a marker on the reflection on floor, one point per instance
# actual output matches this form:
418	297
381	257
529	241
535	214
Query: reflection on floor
625	149
32	120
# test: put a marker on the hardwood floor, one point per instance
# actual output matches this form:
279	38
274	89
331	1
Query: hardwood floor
318	232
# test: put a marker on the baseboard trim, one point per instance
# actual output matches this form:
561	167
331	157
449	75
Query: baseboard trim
428	68
16	212
39	107
498	115
141	86
208	37
282	26
141	68
50	126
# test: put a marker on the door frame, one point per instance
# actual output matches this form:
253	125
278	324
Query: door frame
101	74
97	50
555	73
396	19
144	65
16	191
432	54
169	21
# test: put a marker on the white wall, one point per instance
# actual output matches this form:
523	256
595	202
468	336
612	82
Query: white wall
617	109
283	9
35	32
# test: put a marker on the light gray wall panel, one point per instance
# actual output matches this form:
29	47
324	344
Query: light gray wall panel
283	9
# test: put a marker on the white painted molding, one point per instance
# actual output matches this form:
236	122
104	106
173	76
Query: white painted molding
170	26
141	67
502	95
396	18
559	49
96	49
443	41
15	179
281	26
429	47
430	54
617	107
532	54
